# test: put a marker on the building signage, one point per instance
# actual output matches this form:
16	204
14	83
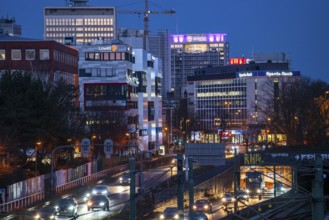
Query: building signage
282	158
267	74
113	48
238	60
182	38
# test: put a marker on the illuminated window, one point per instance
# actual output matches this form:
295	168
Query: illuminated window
79	21
16	54
44	54
2	54
30	54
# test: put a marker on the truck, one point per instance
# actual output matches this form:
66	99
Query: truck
254	183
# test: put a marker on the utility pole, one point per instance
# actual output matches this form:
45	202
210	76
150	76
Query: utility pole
180	188
132	215
190	187
235	180
317	189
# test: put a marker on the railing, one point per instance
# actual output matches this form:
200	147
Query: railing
37	197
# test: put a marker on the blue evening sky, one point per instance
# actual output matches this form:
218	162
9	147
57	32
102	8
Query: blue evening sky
299	28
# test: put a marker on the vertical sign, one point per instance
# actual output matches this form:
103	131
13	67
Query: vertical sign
85	147
108	147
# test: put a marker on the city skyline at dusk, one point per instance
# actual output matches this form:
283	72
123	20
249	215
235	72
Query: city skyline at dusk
297	28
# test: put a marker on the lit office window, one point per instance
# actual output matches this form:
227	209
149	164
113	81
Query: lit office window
79	21
2	54
16	54
30	54
44	54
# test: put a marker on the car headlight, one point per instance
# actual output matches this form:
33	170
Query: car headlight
176	216
259	191
194	206
120	178
206	207
248	191
37	216
161	216
223	199
104	192
94	192
89	203
102	203
52	217
56	207
233	199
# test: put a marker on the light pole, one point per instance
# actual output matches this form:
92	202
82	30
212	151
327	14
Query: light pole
52	163
36	157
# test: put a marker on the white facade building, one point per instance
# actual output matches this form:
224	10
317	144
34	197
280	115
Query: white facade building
148	70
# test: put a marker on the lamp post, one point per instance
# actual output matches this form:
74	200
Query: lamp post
52	163
38	144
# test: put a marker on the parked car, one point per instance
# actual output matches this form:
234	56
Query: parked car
228	198
45	213
100	190
203	205
98	201
67	207
170	213
124	178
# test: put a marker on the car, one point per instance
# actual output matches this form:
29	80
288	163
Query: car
45	213
67	207
198	216
280	187
242	195
203	205
170	213
228	198
100	190
124	178
98	201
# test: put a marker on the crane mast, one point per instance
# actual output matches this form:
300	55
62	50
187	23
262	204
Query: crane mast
146	13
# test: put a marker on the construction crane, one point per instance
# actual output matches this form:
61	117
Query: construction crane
146	14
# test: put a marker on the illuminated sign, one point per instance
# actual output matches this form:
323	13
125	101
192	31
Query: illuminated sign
105	48
252	159
238	61
267	73
190	38
218	94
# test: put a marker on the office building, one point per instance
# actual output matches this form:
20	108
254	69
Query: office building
113	77
79	23
48	59
192	51
8	26
233	98
158	47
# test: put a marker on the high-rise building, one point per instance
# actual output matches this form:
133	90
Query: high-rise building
79	23
192	51
158	47
8	26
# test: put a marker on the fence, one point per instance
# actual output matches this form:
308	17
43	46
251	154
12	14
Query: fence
29	200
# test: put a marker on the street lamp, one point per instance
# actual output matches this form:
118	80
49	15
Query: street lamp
38	144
